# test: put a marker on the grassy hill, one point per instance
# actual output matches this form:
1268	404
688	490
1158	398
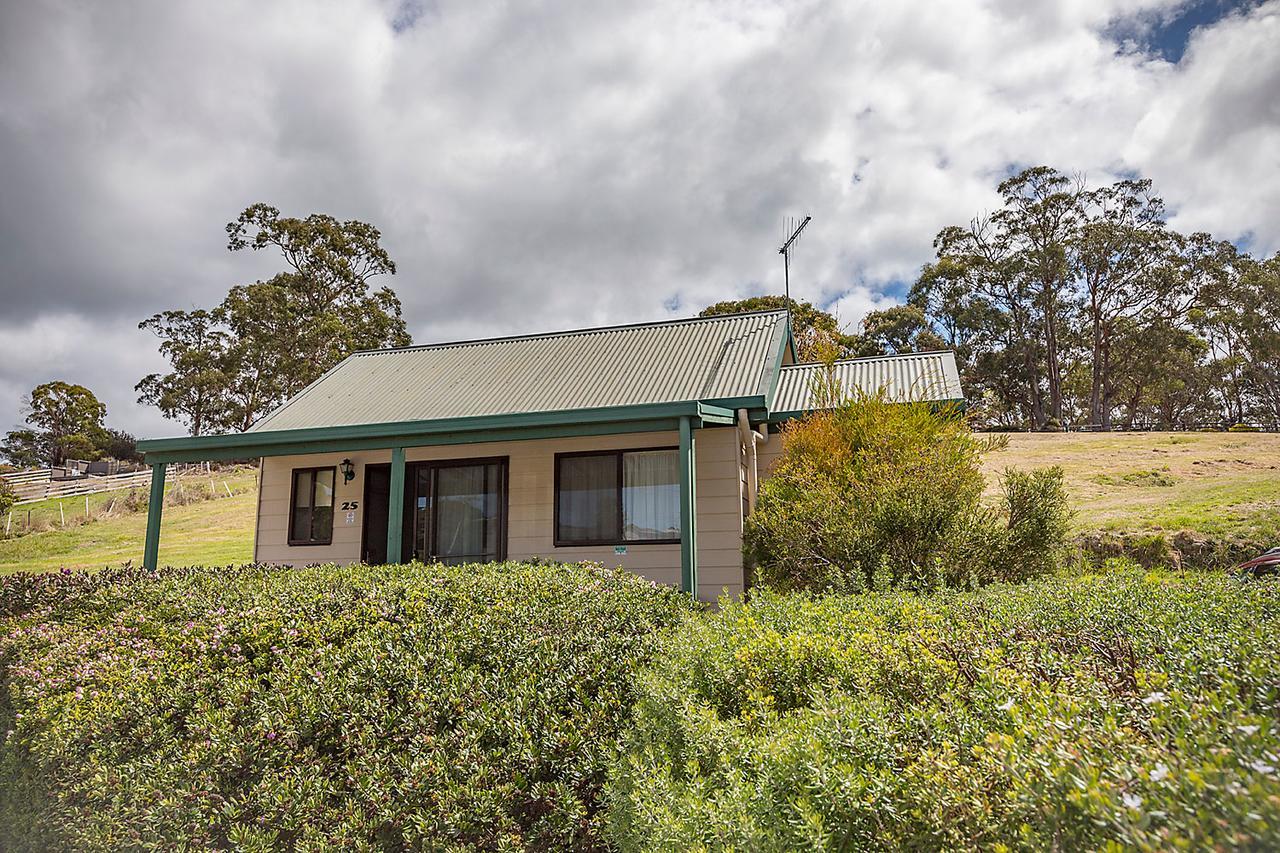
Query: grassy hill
208	531
1212	484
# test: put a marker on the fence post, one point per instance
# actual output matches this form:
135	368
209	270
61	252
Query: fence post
62	516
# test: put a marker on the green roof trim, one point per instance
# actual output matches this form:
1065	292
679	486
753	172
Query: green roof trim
514	427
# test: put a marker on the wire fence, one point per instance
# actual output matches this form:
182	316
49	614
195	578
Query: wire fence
192	484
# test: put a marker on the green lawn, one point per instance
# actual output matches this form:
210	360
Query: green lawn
208	532
1214	484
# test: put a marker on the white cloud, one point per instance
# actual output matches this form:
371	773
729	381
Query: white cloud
105	355
544	166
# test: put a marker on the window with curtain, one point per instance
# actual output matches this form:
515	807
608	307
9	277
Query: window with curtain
618	497
311	507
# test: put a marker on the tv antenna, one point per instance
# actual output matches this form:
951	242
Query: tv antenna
785	251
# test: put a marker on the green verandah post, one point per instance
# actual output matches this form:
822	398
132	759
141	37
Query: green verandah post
155	508
395	507
688	516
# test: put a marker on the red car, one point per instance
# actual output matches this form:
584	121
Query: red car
1267	564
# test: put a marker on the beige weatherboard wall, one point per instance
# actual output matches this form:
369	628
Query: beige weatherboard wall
713	388
531	501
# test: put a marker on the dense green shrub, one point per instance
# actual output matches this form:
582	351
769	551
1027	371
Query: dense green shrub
874	494
1243	428
1131	708
1037	523
420	706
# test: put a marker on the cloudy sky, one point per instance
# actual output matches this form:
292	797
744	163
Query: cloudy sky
536	166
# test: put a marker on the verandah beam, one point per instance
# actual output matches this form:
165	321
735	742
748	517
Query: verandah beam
155	508
395	508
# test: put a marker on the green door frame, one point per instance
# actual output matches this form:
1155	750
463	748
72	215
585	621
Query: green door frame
395	508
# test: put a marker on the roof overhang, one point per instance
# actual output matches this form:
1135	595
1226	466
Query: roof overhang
653	417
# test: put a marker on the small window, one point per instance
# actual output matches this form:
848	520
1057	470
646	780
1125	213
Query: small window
618	497
311	508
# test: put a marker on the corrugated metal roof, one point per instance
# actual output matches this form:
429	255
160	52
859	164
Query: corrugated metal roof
927	377
702	359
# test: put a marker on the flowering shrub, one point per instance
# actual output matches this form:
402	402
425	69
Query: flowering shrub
1129	708
875	494
404	706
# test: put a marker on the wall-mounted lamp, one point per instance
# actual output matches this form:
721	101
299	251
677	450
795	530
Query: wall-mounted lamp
348	471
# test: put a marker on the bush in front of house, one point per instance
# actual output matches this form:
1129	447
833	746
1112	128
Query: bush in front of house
874	494
405	706
1131	708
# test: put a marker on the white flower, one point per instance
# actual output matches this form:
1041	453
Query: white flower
1262	767
1247	729
1007	705
1155	698
1132	801
1159	773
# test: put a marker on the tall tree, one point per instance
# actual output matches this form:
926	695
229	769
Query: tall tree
1259	289
64	422
1071	302
1122	257
192	392
982	261
1040	214
268	340
328	305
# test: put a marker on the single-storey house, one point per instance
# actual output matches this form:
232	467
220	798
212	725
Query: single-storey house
640	446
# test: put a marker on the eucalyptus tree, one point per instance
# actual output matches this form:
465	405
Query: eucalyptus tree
195	345
267	340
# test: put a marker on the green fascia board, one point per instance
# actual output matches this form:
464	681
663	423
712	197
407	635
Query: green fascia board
343	445
576	422
753	401
711	414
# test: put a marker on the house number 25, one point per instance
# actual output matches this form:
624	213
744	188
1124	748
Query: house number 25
351	505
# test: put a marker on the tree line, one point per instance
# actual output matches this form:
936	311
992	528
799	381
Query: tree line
1069	305
1074	304
1079	305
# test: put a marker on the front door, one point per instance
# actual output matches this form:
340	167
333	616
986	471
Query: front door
377	494
459	511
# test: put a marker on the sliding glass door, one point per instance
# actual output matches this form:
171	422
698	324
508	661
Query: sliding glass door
459	511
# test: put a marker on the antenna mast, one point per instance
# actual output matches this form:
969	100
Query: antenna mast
785	251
